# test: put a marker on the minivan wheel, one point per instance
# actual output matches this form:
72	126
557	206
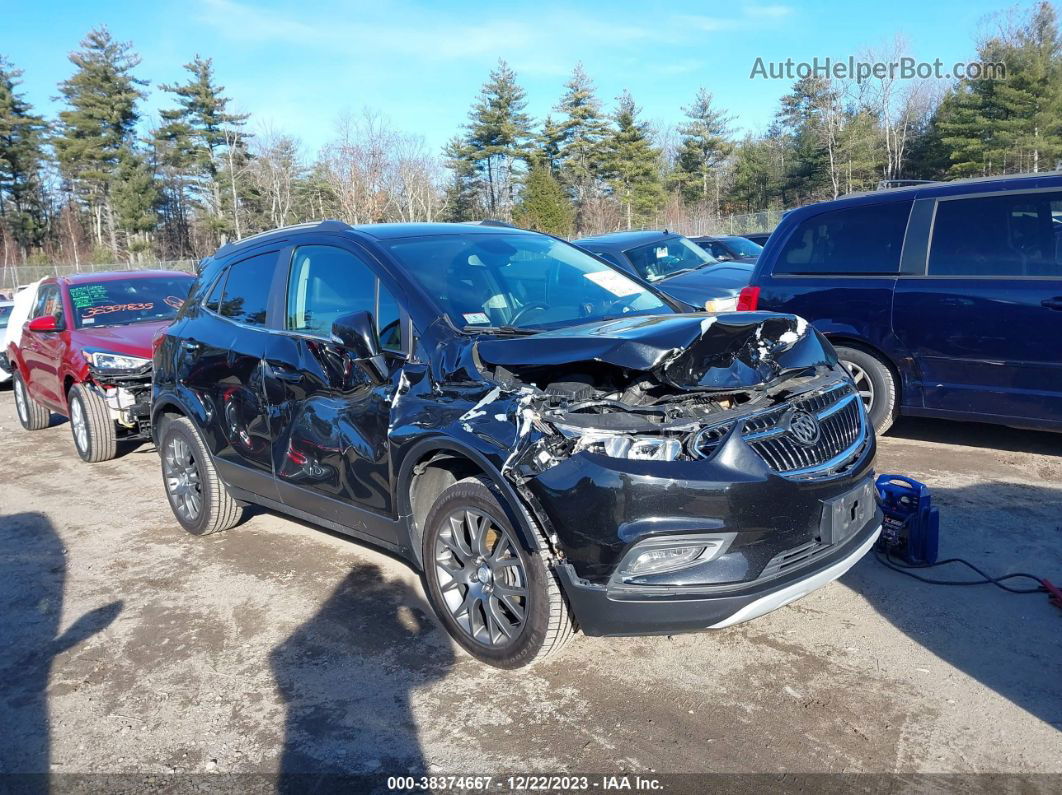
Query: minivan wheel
198	498
32	415
874	382
496	598
95	437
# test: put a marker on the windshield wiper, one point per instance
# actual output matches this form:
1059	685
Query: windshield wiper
500	330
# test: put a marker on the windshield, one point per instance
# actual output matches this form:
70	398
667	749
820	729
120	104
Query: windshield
519	280
743	247
5	314
121	301
666	258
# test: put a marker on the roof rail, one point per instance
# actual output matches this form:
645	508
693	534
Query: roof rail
328	225
491	222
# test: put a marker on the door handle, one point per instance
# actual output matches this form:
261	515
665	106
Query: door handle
284	374
1052	303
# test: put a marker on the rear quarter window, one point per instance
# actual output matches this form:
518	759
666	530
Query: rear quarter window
860	240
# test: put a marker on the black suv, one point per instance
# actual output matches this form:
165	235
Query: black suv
551	441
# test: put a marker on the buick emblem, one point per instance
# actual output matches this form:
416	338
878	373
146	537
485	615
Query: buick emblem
804	428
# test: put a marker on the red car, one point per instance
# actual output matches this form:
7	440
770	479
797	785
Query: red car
85	353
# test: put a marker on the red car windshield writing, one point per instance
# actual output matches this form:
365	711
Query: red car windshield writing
121	301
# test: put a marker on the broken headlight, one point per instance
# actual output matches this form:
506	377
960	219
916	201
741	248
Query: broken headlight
622	445
105	360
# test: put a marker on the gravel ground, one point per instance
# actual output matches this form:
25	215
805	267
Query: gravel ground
128	646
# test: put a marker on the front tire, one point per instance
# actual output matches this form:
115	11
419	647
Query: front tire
876	385
95	437
495	598
32	415
199	500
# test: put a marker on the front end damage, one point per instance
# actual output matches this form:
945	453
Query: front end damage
676	458
127	393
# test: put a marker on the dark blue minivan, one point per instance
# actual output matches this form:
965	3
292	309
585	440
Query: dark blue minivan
944	300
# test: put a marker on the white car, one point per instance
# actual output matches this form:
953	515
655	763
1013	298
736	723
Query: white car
6	308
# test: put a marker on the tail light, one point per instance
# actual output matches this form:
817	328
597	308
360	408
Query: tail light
748	299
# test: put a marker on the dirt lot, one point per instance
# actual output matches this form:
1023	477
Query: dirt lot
130	646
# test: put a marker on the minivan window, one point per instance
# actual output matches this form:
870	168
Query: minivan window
246	295
853	240
328	282
1007	235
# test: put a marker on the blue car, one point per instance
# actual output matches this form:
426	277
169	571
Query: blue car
675	266
944	300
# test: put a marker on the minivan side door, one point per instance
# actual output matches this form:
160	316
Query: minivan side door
223	343
329	415
984	320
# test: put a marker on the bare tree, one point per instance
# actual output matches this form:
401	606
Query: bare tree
275	171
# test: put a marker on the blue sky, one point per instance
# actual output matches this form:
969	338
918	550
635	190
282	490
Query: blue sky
297	66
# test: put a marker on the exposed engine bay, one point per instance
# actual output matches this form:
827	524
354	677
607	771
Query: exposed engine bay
652	388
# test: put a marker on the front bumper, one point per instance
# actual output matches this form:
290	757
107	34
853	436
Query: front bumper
601	610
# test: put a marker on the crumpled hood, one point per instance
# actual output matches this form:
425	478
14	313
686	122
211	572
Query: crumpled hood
694	351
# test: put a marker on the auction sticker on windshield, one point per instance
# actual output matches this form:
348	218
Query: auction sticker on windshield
615	283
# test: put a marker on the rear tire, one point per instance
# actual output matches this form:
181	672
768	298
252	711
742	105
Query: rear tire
498	600
876	385
199	500
32	415
95	437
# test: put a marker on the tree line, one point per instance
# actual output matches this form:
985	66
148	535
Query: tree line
103	183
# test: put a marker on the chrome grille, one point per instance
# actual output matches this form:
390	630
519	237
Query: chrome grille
842	433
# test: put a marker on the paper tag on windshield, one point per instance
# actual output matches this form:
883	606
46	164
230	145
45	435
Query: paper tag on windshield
474	318
615	283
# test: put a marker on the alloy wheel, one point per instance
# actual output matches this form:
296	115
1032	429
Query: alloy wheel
864	386
20	401
77	420
181	471
481	577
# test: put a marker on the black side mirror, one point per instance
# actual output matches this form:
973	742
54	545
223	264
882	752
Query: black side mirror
357	333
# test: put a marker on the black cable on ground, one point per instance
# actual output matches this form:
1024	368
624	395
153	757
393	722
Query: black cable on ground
906	568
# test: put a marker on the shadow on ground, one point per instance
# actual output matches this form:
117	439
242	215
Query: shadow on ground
977	434
346	676
1009	643
32	574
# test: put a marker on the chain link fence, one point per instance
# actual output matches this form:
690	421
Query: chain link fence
14	276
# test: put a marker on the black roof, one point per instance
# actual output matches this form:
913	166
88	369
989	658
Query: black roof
376	231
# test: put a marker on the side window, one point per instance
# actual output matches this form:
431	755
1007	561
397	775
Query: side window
1009	235
214	298
327	282
388	319
48	303
246	294
857	240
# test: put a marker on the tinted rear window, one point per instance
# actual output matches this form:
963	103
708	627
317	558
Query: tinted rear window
1016	234
856	240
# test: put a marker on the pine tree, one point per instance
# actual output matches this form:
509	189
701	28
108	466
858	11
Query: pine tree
543	204
99	122
632	164
705	144
549	143
498	136
987	126
21	159
581	152
135	196
201	131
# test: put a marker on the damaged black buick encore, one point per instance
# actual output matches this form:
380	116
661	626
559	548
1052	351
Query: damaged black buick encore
552	442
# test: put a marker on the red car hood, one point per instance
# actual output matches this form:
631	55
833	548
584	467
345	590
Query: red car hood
133	339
